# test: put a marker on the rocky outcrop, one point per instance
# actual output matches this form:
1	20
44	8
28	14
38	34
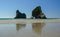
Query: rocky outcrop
20	15
37	13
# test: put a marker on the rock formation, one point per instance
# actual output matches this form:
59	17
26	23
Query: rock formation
20	15
37	13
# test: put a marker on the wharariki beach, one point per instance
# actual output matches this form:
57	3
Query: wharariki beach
23	21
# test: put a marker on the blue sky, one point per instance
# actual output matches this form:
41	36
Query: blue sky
51	8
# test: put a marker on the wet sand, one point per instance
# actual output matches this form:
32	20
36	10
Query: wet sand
30	30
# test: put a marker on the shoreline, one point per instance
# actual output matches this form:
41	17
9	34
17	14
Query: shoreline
24	21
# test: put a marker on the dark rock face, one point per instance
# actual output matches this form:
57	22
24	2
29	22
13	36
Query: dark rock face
42	16
20	15
37	13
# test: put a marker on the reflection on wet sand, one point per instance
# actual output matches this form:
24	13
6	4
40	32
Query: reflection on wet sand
30	30
37	27
18	26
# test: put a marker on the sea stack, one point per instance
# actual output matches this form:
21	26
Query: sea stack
20	15
37	13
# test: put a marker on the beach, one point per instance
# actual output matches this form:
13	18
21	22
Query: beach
30	30
29	27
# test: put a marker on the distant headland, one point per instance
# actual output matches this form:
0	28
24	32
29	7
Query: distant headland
36	13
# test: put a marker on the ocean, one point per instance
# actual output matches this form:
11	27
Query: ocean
23	18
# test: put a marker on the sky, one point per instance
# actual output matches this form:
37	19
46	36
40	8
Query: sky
51	8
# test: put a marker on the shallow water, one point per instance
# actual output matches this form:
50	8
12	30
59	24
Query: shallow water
30	30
